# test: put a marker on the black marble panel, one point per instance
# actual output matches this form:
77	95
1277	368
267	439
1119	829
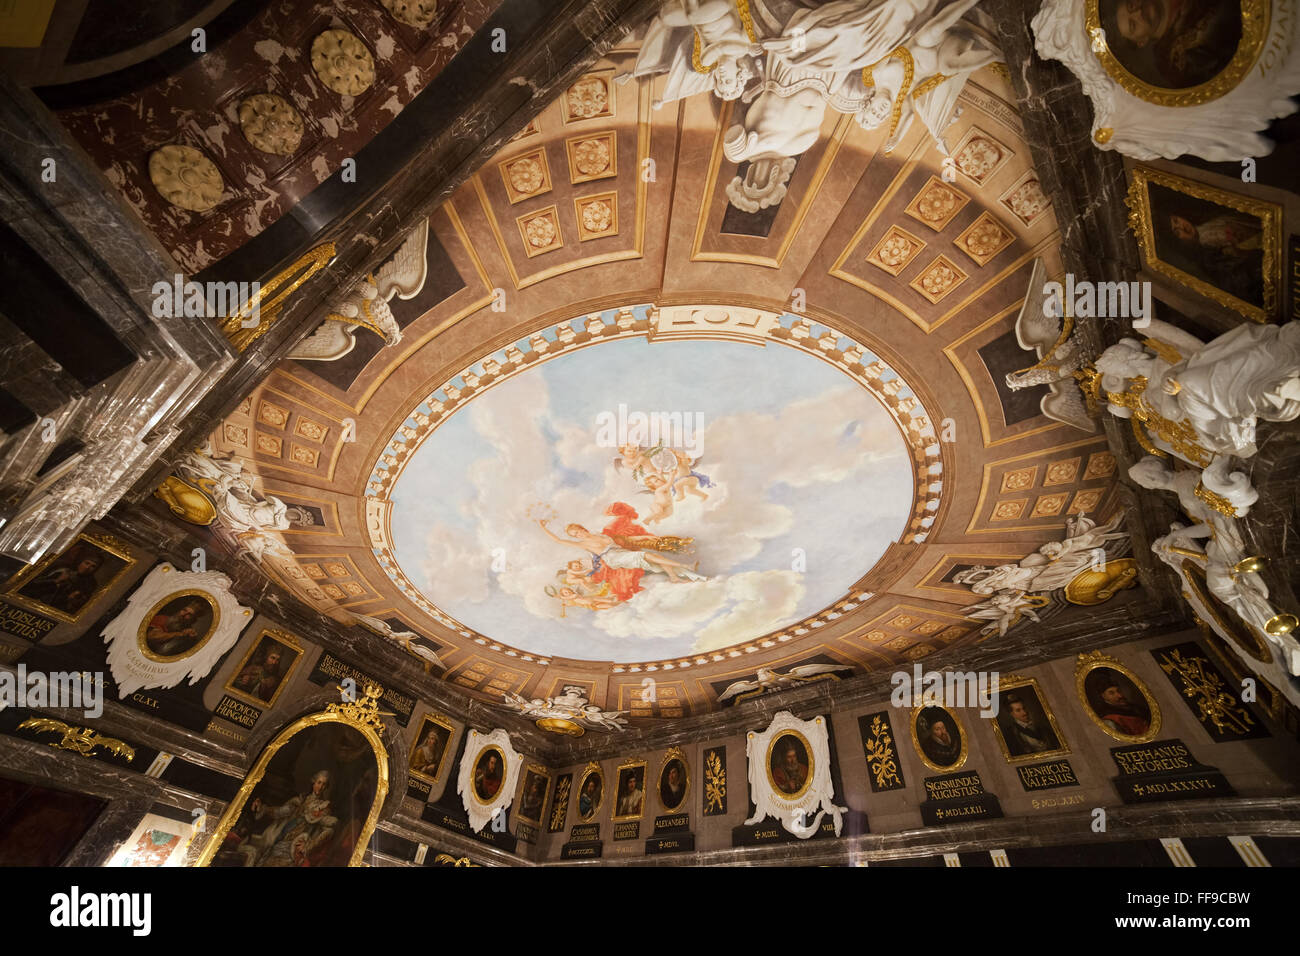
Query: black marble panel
1004	355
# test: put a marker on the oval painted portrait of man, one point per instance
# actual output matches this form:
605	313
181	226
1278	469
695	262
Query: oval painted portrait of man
590	792
1120	704
939	738
673	784
1174	44
789	764
489	772
178	625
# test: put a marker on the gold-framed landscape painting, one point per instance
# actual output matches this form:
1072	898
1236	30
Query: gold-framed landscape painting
1222	245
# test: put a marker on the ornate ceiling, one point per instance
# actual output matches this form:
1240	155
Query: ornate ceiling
846	347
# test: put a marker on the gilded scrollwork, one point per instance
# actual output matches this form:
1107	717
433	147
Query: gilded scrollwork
1210	697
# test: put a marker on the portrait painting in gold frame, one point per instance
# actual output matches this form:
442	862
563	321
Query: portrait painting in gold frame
489	773
629	791
1177	52
532	796
674	781
66	585
429	748
178	626
939	738
1024	724
591	792
313	797
1116	699
265	670
790	764
1219	244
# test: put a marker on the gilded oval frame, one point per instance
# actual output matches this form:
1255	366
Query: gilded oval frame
1255	19
1087	663
812	764
920	751
478	758
143	646
677	754
590	770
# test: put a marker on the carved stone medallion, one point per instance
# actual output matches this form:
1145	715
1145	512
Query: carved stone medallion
271	124
342	62
185	177
415	13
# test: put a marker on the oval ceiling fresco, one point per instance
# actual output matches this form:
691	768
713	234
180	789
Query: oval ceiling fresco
637	499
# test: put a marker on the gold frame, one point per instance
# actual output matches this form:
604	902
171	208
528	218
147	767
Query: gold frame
282	637
1011	683
431	717
1240	633
577	178
473	768
614	815
104	542
916	740
1269	214
674	753
1255	15
587	771
143	647
362	716
812	764
523	789
1085	665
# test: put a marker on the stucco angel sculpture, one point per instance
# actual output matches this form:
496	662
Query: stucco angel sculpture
1013	589
881	61
571	705
1202	402
366	304
1213	540
247	519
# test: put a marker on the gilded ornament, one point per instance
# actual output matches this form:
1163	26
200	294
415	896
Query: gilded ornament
597	216
894	250
342	62
540	232
1254	28
1213	702
588	97
715	783
271	124
881	756
185	177
80	740
526	175
237	327
591	156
